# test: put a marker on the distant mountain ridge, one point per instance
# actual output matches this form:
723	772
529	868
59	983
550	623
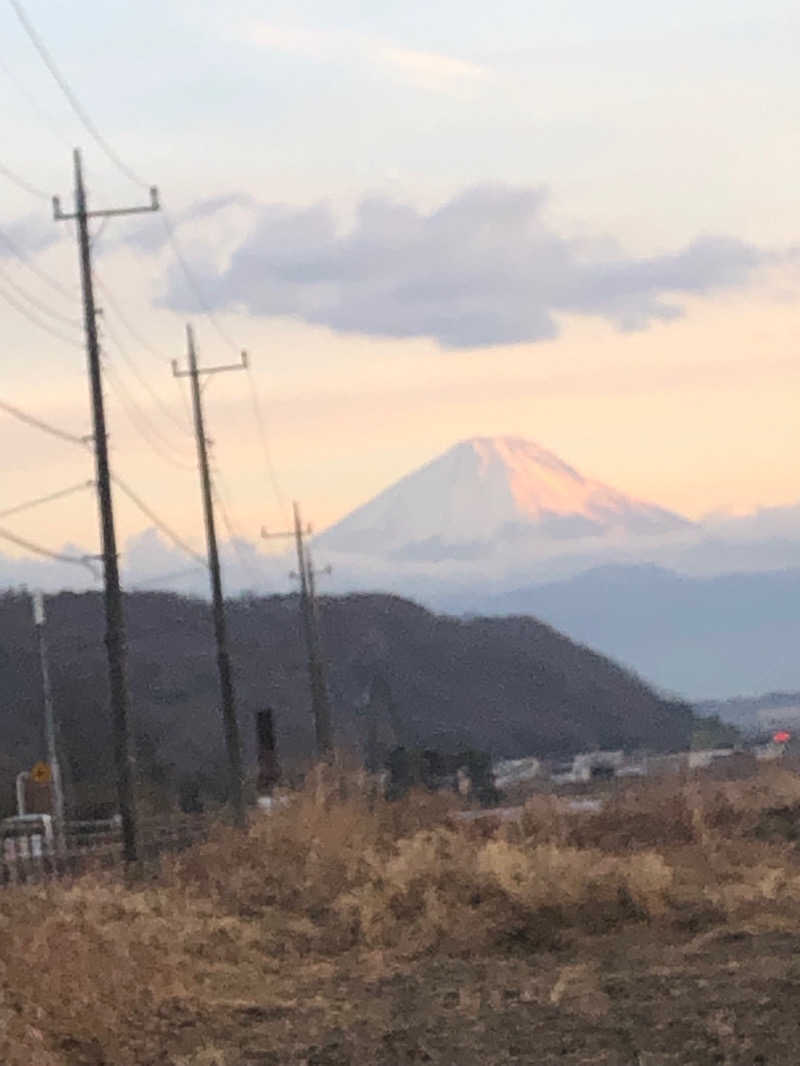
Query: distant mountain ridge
759	715
707	638
485	493
509	686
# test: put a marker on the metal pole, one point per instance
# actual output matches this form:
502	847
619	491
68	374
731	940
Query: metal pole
49	716
115	625
231	725
21	779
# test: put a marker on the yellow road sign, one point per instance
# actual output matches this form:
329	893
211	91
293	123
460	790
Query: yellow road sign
41	773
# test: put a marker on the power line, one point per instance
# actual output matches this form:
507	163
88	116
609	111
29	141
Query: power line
234	533
37	549
111	300
262	432
134	369
111	154
113	303
203	303
23	183
149	513
184	399
23	257
37	304
72	99
23	91
26	313
47	499
37	423
142	424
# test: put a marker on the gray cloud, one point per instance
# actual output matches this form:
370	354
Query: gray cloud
28	235
151	236
485	268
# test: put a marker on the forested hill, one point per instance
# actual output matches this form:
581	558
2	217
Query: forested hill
512	686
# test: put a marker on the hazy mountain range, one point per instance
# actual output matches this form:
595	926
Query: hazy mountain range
497	525
758	716
508	686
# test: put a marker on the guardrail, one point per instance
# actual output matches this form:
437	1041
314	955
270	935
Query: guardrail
31	852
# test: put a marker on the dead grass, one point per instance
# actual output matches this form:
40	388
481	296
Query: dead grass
93	972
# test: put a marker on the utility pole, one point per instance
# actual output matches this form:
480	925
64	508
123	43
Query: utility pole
115	621
322	714
231	725
49	718
320	704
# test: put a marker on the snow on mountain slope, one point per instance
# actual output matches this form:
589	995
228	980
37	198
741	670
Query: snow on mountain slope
488	492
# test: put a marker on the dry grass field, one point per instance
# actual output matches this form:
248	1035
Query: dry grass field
663	929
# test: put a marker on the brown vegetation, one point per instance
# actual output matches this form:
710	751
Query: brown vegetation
343	929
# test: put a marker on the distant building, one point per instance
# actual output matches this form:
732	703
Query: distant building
509	772
701	760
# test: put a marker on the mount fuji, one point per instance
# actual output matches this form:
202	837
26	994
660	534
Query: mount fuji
488	495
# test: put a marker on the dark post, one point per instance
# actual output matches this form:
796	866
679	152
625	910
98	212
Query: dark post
268	766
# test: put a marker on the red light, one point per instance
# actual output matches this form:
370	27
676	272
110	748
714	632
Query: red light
781	737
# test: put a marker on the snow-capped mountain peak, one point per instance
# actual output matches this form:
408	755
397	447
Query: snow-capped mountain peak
485	492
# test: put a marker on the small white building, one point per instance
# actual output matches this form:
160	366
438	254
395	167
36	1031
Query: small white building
701	760
509	772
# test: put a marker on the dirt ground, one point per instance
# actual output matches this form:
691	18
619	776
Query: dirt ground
662	930
727	997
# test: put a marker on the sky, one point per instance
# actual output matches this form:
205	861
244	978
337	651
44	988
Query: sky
576	223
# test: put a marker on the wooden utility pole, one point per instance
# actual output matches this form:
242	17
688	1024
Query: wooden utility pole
230	722
319	686
320	703
115	621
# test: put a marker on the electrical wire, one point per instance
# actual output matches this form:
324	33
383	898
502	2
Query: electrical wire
38	305
194	285
134	369
47	499
141	423
111	154
111	300
23	310
23	183
150	513
27	95
37	549
234	534
73	101
43	275
185	400
280	496
37	423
